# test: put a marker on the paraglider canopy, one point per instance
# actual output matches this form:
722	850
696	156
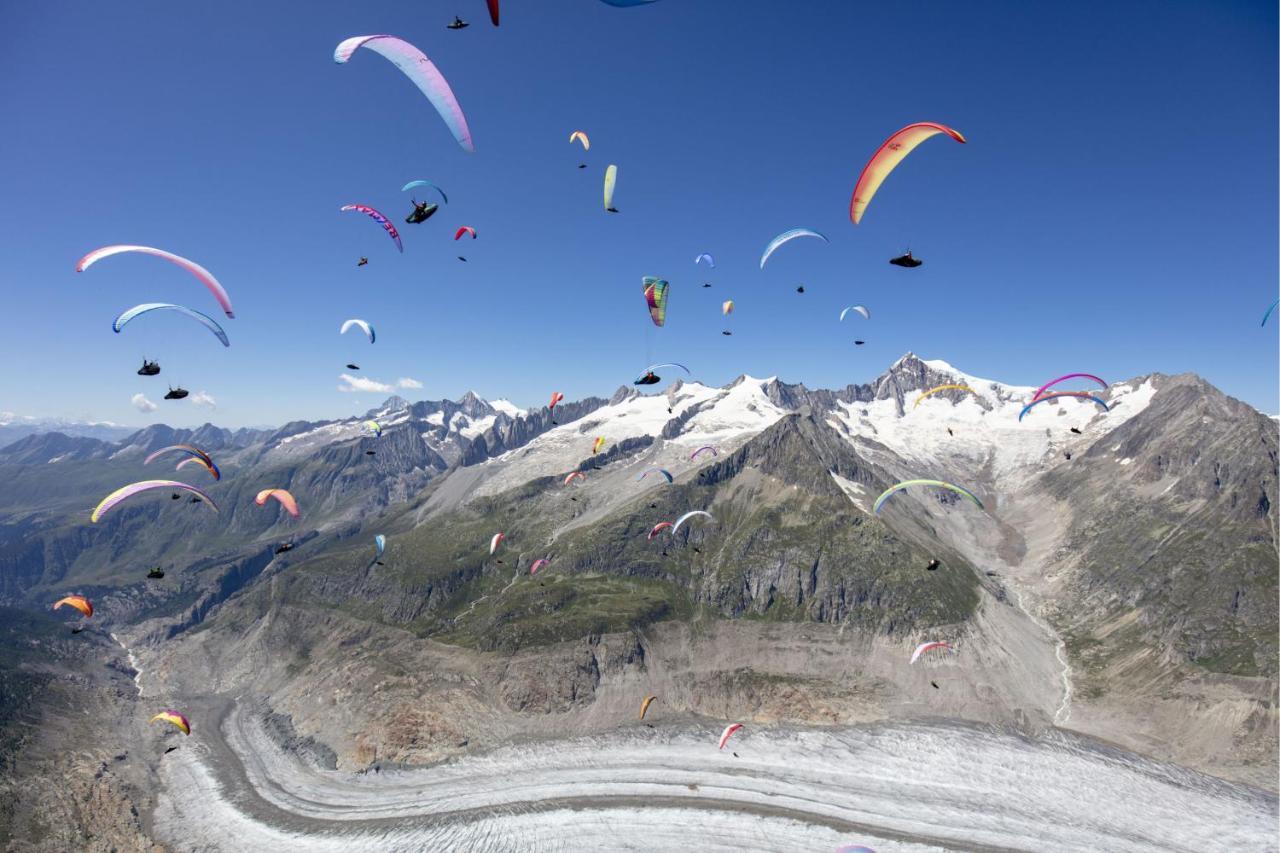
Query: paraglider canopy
580	136
203	275
610	180
886	159
174	718
861	309
377	217
147	307
359	324
655	296
281	496
465	229
786	237
415	184
892	490
78	602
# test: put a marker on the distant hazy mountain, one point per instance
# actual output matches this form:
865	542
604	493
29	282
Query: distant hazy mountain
14	427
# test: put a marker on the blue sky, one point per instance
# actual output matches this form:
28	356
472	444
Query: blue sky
1114	212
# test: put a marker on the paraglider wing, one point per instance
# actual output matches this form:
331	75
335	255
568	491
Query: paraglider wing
495	542
167	716
1042	388
1081	395
556	397
944	388
626	4
886	159
658	528
711	262
889	492
380	544
574	475
380	219
79	602
361	324
599	443
533	570
675	528
465	229
204	320
786	237
282	497
132	489
644	706
206	278
610	178
727	307
374	427
1269	310
705	449
861	309
182	448
655	296
413	184
421	71
580	136
728	732
927	647
493	11
651	368
196	460
666	475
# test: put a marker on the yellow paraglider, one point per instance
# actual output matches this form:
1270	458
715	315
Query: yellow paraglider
644	706
945	388
887	158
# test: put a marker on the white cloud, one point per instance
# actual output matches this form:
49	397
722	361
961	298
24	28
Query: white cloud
142	404
204	399
406	382
360	383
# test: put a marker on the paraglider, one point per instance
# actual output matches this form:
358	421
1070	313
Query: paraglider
928	647
1269	310
194	454
886	159
889	492
580	136
493	11
495	542
933	565
415	184
574	475
800	289
650	377
421	212
419	69
457	24
610	178
77	602
353	366
1076	431
786	237
658	528
1077	394
132	489
465	229
176	393
155	574
727	307
858	343
675	528
701	450
360	324
287	546
373	427
556	397
599	443
173	717
861	309
1047	385
149	368
666	475
119	323
728	732
377	217
711	262
907	260
644	706
655	296
281	496
932	391
533	570
362	262
203	275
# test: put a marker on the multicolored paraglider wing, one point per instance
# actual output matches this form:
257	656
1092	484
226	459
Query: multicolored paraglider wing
728	732
701	450
205	277
1047	385
666	475
556	397
374	427
892	490
202	319
1080	395
658	528
580	137
944	388
495	542
132	489
79	602
421	71
196	460
380	219
533	570
595	448
174	718
414	184
927	647
887	157
787	237
282	497
727	307
181	448
655	296
610	179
